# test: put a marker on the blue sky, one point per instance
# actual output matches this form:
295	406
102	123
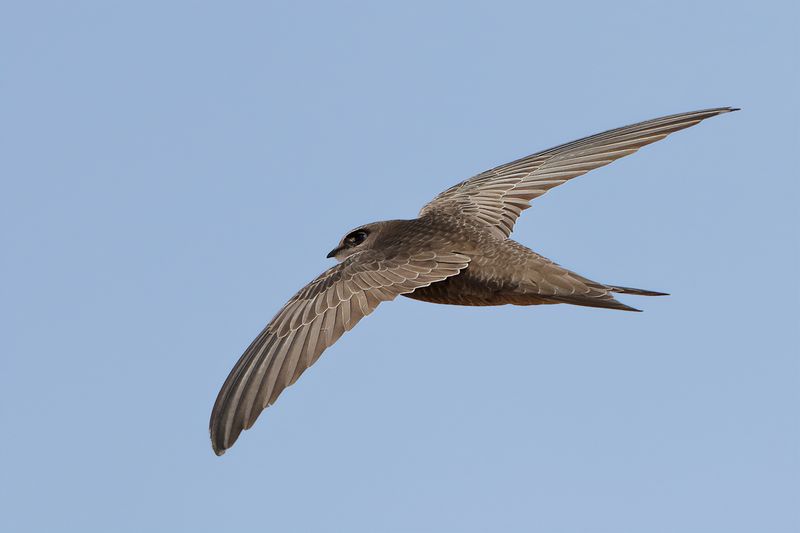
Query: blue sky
173	172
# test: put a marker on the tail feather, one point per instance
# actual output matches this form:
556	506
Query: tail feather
605	301
637	292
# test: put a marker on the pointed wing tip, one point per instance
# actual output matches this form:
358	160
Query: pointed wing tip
218	447
712	111
219	443
723	110
703	114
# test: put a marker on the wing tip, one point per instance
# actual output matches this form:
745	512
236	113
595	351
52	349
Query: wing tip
711	112
723	110
217	444
703	114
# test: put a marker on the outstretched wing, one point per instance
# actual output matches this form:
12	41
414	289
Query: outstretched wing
311	321
498	196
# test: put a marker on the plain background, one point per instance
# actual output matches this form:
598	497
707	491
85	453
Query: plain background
172	172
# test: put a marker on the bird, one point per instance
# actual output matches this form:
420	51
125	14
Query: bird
457	251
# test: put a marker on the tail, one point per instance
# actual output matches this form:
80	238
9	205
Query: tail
637	292
602	297
548	282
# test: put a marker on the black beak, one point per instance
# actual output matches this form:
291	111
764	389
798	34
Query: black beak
333	252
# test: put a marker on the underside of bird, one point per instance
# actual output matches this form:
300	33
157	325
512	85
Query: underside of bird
526	278
599	296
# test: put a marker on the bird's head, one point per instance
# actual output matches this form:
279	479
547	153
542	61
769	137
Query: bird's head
357	240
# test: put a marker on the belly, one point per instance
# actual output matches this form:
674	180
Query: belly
472	287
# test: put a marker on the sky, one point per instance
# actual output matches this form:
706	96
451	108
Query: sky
172	172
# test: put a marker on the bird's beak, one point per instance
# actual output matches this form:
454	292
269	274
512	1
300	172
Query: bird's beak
333	252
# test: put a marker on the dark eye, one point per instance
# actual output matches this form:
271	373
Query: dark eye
356	238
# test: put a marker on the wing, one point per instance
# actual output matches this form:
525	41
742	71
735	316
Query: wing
498	196
311	321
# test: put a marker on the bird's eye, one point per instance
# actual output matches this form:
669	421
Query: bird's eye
356	238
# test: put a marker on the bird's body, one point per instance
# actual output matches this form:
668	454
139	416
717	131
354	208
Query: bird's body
457	251
500	271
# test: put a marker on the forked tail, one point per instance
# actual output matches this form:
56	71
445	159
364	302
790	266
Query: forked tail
637	292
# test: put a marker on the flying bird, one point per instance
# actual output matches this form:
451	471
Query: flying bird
457	251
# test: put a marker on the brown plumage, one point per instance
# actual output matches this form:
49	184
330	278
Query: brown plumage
456	252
